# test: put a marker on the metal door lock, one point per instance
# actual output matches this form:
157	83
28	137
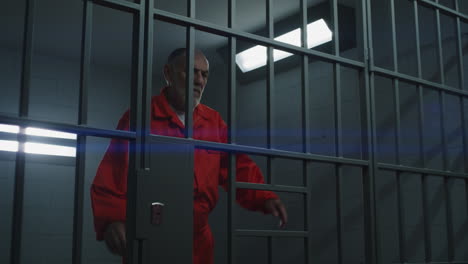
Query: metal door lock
156	213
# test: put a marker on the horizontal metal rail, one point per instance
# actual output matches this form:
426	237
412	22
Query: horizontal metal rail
121	5
268	233
121	134
271	187
415	80
401	168
444	9
70	128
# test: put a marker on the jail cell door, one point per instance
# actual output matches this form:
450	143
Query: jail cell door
164	206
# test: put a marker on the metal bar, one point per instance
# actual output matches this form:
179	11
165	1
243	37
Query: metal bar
263	151
191	8
81	140
339	222
415	80
271	187
427	223
258	40
394	40
336	31
18	198
372	239
147	80
443	131
267	233
444	9
190	53
396	98
106	133
440	48
393	167
401	221
77	129
121	5
460	51
231	216
270	93
232	92
308	244
421	126
305	83
337	83
338	111
232	137
269	250
139	122
449	219
418	40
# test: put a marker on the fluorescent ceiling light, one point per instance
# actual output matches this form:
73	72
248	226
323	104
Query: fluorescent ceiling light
48	149
255	57
9	145
49	133
9	128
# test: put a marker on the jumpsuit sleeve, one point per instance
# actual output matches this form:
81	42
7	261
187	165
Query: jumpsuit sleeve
109	188
246	171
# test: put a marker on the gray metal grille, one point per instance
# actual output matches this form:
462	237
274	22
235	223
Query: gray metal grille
144	14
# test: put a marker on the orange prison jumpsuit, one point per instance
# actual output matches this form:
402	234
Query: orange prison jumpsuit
108	191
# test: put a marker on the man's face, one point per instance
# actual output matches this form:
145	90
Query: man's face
176	77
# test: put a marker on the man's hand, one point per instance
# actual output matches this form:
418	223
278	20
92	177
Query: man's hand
115	238
277	208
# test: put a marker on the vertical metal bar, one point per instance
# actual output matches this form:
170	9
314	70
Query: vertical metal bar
337	86
189	65
440	47
394	39
396	94
81	140
369	173
448	206
189	81
139	122
270	107
426	216
231	217
449	219
401	221
421	126
426	208
18	198
339	222
460	48
336	33
418	41
308	246
232	139
306	168
305	82
270	91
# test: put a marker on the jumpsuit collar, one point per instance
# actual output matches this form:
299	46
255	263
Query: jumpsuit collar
162	110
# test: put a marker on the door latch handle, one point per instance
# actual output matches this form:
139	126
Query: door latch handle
156	213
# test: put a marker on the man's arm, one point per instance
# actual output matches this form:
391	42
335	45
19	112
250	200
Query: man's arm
108	193
247	171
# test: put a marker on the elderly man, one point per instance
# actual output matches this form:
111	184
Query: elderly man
108	191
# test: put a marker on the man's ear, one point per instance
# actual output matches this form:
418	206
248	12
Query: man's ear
167	74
